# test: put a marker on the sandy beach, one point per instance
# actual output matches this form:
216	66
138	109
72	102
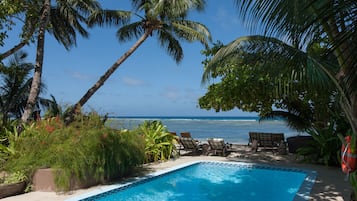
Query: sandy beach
330	182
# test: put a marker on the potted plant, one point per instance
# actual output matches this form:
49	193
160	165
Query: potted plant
12	184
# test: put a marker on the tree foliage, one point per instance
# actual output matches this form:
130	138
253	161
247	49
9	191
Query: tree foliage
257	79
290	32
15	86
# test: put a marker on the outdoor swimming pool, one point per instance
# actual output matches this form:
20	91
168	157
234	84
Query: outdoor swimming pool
218	181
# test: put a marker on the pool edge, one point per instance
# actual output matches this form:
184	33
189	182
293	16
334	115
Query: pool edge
303	193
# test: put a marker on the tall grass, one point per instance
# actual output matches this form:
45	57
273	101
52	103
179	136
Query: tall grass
84	150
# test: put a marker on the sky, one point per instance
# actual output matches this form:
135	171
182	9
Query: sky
149	82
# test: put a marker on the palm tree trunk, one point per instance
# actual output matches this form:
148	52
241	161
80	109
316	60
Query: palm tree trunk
76	108
12	50
36	81
20	45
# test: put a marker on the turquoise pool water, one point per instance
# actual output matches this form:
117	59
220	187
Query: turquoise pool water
216	181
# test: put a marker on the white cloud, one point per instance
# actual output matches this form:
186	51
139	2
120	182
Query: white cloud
78	75
132	81
171	93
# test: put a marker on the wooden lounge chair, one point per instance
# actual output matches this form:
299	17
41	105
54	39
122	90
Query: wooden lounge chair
253	136
277	138
190	144
186	134
266	140
217	145
177	143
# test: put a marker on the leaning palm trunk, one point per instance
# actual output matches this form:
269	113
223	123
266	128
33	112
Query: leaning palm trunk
36	81
29	32
13	50
76	108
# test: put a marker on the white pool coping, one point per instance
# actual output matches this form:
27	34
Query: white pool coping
302	194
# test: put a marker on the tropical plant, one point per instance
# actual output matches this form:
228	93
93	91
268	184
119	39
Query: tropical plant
302	24
65	19
15	177
15	87
325	148
62	19
251	81
85	149
164	19
7	143
159	142
54	109
8	9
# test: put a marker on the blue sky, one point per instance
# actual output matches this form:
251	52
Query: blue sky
149	82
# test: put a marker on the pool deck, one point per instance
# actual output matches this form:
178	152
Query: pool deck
330	183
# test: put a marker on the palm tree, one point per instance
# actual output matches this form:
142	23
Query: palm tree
15	87
164	19
63	21
303	23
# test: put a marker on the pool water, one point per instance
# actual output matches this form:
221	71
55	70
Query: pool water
216	181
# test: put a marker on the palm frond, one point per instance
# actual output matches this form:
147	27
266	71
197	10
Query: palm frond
171	44
273	54
108	17
133	30
192	31
176	9
63	31
293	120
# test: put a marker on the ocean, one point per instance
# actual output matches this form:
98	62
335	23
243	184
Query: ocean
231	129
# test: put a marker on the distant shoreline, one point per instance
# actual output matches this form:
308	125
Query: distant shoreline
255	118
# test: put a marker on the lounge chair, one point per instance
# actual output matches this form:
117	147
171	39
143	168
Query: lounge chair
217	145
266	140
253	136
177	143
186	134
277	138
190	144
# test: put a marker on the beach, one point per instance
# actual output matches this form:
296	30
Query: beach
232	129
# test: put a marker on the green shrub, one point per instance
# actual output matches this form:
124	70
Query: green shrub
159	142
15	177
325	148
84	149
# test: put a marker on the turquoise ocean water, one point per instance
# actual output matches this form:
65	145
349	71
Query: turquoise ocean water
231	129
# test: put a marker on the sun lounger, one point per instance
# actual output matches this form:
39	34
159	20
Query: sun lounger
217	145
186	134
190	144
266	140
177	143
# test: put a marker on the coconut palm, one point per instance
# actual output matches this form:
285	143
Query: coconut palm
63	20
15	86
302	24
163	19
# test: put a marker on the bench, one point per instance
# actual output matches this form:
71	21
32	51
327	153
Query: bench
266	140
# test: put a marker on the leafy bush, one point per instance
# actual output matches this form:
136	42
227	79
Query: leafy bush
85	148
325	148
15	177
159	142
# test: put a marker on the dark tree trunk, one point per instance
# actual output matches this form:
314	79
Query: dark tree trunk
36	81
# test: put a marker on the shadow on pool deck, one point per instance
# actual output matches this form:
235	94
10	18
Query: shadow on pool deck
330	183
